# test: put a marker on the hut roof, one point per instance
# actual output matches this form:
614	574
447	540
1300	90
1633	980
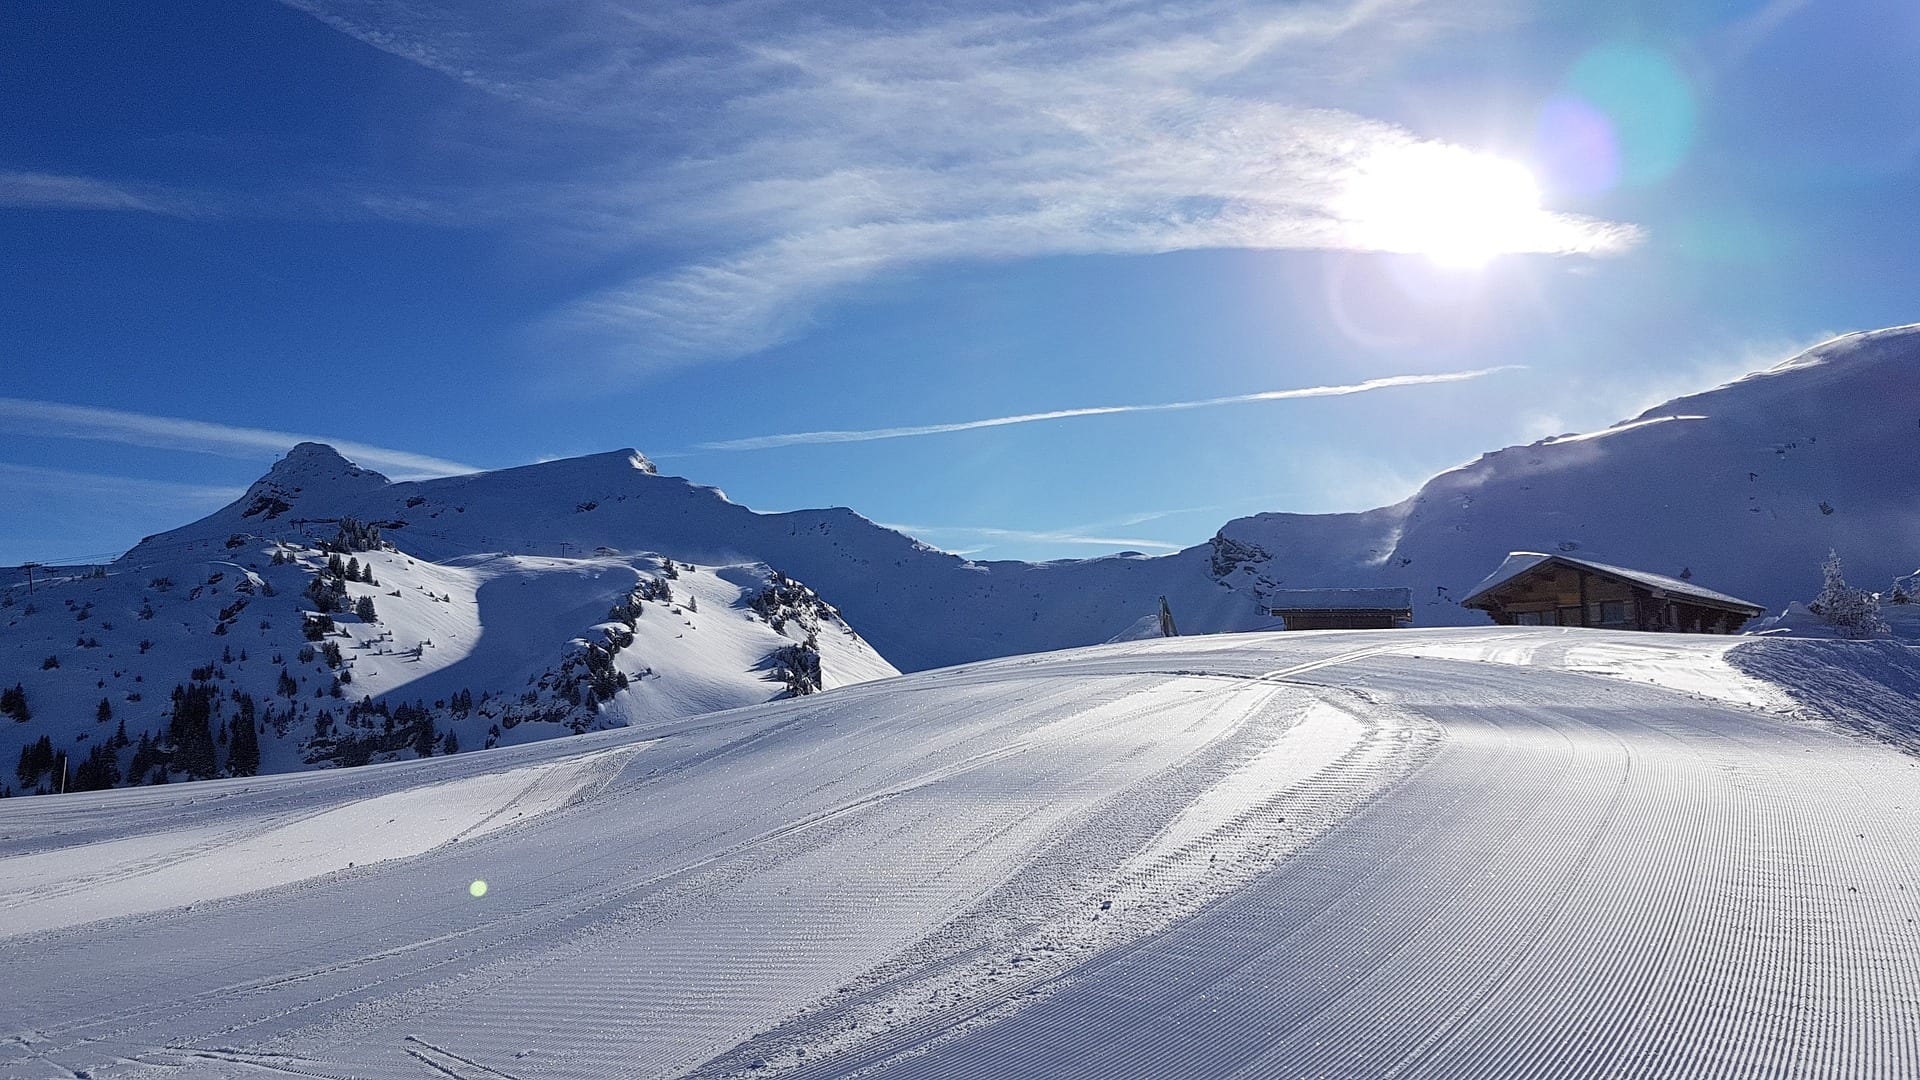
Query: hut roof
1341	600
1519	562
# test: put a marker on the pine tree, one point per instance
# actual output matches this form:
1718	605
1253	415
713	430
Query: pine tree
36	760
1853	613
101	770
243	750
14	703
363	607
190	729
105	712
425	738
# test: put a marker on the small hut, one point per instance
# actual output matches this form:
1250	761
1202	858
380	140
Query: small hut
1342	609
1532	589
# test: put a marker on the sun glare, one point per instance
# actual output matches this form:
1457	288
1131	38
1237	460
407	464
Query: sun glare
1456	207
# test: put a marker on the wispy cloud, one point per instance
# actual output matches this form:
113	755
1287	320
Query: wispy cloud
59	420
120	488
773	157
1039	537
37	190
767	442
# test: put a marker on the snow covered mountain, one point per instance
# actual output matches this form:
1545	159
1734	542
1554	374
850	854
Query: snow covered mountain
305	643
1744	488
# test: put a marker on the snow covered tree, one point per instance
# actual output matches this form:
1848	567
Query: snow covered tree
1853	613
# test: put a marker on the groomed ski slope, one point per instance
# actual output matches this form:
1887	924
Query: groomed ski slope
1416	853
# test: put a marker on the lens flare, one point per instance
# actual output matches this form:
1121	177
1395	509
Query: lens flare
1646	102
1576	147
478	889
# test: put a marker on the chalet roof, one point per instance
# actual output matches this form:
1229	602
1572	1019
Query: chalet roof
1341	600
1519	562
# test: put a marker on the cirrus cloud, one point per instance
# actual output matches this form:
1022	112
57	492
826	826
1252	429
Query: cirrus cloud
750	164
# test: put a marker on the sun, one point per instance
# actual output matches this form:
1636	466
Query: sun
1454	206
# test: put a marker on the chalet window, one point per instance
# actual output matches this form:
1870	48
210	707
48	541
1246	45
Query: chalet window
1526	618
1612	612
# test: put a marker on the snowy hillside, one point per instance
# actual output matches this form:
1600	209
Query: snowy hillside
305	643
1424	853
1745	488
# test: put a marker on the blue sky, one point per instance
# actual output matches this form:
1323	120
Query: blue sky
452	236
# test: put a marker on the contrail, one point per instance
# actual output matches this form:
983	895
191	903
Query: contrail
767	442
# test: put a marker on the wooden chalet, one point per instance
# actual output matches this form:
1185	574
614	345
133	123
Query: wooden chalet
1342	609
1532	589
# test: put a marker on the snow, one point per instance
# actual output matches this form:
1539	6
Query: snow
1685	663
169	868
505	578
1764	476
1735	494
1519	562
1340	599
490	624
1618	429
1327	854
1868	686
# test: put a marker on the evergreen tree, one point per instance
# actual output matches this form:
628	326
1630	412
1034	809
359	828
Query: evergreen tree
100	770
145	756
425	737
36	760
14	703
243	752
363	608
1853	613
190	729
105	712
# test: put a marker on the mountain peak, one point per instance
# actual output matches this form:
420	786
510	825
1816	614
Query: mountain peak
308	466
638	460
